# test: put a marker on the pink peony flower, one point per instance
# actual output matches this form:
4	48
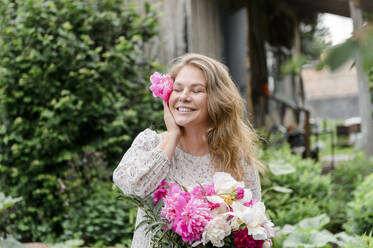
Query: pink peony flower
201	193
205	190
174	202
243	240
161	85
240	193
190	221
160	192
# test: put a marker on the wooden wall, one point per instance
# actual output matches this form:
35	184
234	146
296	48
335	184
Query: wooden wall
185	26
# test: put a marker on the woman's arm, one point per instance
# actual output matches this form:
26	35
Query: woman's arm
252	181
143	166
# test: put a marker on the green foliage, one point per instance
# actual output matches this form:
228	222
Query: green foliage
7	201
313	44
294	188
154	223
310	232
10	242
100	218
294	64
291	210
346	177
313	39
6	211
364	241
68	244
340	54
360	209
302	176
72	78
361	43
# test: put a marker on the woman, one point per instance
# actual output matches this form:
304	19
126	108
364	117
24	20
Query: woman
205	133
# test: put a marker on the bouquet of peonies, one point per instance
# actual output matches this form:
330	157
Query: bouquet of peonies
216	215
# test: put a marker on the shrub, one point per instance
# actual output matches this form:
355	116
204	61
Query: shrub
72	77
302	176
100	219
363	241
360	209
291	210
307	233
346	177
294	188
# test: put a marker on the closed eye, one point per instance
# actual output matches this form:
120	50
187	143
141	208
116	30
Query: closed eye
198	90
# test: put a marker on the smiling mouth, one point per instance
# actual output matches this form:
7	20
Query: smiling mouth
184	110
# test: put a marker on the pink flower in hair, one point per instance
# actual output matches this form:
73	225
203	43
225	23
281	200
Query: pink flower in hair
161	85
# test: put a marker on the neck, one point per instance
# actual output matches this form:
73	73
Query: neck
193	141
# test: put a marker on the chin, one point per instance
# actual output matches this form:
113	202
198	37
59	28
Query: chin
182	122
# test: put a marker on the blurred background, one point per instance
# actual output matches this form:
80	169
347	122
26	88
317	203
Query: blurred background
74	79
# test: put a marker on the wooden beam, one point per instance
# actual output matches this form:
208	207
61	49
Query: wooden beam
250	108
337	7
365	105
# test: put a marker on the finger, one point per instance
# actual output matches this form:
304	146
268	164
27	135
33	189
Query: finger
165	106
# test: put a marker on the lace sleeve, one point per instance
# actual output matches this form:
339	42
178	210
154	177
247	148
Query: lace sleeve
252	181
143	166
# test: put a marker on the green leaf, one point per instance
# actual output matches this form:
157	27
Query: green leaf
11	243
314	223
340	54
6	202
282	189
281	168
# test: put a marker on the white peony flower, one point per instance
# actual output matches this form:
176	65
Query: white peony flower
234	223
258	225
268	225
258	233
216	230
224	183
252	216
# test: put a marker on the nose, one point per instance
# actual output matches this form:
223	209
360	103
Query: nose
185	95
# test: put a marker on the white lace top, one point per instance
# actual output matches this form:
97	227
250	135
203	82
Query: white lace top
144	166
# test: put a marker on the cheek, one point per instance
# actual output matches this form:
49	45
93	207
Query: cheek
172	98
204	105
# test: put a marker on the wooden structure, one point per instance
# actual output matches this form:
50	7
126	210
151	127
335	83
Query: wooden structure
253	38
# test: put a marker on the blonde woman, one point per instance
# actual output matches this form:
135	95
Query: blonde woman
205	133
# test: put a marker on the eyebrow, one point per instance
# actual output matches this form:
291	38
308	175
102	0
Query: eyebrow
193	85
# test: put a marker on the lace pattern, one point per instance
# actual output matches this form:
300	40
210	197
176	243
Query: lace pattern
144	166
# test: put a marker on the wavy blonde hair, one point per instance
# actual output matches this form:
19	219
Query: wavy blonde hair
229	138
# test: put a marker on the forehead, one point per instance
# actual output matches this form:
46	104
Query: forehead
190	75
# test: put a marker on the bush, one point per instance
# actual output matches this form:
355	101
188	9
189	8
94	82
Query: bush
302	176
349	174
294	188
72	78
346	177
100	219
360	209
